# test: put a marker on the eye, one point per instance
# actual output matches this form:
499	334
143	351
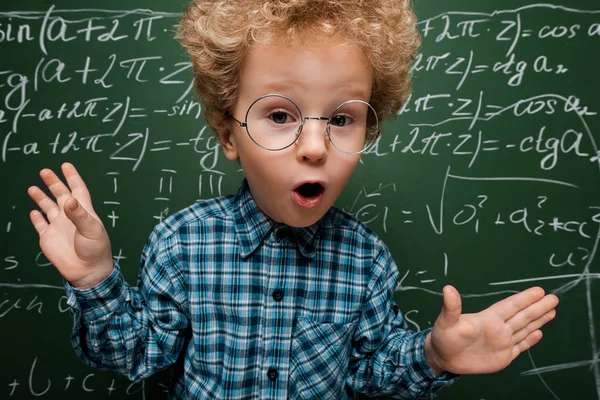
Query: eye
280	117
341	120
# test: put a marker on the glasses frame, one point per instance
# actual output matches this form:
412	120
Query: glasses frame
303	119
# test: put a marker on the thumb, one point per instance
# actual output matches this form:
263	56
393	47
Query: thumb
81	218
451	309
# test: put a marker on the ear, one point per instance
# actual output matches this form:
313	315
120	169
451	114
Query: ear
227	139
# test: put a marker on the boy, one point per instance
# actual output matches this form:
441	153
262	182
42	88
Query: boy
272	293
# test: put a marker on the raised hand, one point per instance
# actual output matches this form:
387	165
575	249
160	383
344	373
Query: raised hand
72	236
487	341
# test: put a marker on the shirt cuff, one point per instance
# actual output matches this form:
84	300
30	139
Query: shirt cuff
418	368
100	300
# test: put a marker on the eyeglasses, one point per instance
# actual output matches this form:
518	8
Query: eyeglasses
274	122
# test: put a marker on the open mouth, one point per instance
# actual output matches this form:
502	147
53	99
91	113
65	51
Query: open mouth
309	195
309	190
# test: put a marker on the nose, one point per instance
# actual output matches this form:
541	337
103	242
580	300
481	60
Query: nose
313	141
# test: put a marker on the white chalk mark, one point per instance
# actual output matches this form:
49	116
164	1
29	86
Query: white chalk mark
540	376
402	288
545	278
526	179
439	229
445	264
113	14
29	286
516	10
560	367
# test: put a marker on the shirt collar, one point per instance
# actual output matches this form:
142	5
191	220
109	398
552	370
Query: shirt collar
252	226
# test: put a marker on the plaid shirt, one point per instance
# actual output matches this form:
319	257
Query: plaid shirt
260	310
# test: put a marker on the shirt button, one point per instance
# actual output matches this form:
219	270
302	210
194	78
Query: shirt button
272	373
278	294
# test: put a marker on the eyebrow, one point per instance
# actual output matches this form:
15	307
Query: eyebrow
278	87
352	92
357	93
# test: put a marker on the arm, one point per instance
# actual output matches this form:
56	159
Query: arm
134	331
393	361
388	359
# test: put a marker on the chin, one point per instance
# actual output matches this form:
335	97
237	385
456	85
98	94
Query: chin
302	221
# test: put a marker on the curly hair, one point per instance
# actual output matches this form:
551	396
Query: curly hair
218	34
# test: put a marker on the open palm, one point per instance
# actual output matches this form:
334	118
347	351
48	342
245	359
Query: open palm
490	340
72	236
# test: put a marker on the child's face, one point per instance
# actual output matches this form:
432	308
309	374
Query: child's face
318	77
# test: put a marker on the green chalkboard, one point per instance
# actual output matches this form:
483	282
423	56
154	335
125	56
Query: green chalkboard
488	179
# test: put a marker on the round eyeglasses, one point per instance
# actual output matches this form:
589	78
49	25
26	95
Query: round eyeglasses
274	122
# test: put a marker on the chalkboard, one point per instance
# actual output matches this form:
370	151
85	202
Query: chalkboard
488	179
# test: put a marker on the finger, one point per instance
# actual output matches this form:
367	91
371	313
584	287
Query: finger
532	313
75	182
87	225
510	306
48	206
532	339
58	189
534	325
38	221
451	309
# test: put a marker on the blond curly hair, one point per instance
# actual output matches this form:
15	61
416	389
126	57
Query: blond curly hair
218	35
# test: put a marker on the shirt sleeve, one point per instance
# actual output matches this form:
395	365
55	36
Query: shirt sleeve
134	331
388	359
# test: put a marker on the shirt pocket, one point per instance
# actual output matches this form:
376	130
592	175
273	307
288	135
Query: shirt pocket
319	360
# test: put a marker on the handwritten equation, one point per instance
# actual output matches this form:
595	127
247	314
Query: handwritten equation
488	178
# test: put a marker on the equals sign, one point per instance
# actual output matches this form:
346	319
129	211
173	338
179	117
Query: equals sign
161	143
137	110
526	33
407	221
424	280
480	68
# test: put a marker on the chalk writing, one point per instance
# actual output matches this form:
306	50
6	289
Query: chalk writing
487	179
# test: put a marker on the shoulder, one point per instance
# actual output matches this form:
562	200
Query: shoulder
216	211
339	222
364	249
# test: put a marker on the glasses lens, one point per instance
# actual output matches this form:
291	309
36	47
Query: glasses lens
353	127
273	122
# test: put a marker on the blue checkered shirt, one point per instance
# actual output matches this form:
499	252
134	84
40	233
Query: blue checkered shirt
259	310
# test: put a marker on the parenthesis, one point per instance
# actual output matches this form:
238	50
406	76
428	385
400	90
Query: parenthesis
143	152
18	115
5	145
43	30
37	73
